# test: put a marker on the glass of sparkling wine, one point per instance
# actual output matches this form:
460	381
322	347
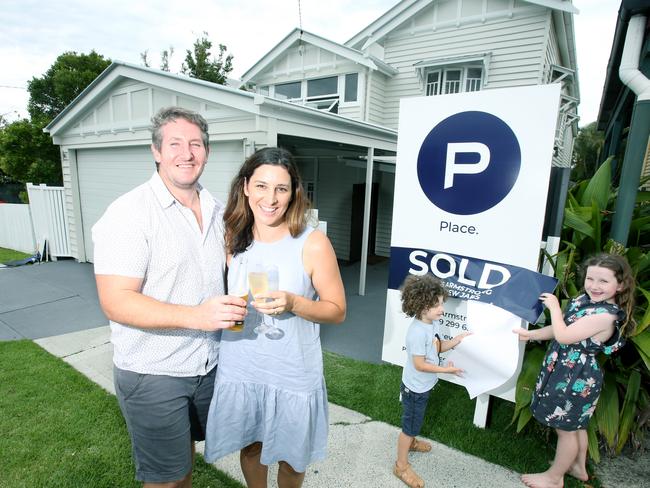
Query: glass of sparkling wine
262	280
237	284
273	276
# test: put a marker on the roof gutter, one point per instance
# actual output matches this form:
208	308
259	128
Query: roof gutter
629	71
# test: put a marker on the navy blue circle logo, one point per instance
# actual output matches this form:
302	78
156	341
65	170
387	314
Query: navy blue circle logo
469	162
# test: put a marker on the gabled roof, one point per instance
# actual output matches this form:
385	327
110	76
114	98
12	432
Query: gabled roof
405	9
297	35
252	103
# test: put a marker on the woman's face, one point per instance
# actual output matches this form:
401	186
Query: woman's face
269	193
601	284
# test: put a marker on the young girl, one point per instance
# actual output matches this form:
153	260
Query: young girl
423	298
570	381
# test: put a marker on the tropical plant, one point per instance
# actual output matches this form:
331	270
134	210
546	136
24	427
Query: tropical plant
621	416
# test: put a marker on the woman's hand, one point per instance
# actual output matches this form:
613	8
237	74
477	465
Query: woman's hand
274	302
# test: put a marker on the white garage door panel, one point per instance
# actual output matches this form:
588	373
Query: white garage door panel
105	174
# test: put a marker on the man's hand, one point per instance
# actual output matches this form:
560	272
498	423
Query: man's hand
220	312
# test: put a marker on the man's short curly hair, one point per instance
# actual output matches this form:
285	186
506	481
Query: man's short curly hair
420	293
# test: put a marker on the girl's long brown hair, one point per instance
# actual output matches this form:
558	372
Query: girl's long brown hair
238	216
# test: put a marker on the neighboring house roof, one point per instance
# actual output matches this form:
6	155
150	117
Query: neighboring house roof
238	99
297	35
407	8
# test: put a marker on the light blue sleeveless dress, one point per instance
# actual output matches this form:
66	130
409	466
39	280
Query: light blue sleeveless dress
272	391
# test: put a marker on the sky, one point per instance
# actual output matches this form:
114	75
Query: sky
34	33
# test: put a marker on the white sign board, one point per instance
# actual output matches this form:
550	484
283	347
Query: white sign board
471	180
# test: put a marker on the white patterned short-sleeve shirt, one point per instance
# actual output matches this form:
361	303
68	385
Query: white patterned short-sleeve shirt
148	234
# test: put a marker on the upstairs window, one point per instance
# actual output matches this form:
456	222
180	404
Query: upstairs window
288	91
351	83
441	81
457	74
320	93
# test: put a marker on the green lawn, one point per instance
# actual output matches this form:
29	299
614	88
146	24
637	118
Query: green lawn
374	389
59	429
7	255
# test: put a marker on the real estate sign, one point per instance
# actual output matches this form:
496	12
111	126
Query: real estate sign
470	194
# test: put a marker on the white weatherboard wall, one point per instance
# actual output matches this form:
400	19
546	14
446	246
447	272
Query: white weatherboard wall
107	173
16	228
515	44
506	229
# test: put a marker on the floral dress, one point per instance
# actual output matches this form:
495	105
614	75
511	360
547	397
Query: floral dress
570	381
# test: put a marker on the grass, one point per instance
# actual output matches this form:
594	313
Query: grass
373	390
59	429
7	255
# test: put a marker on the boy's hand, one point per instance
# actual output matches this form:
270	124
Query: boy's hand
451	369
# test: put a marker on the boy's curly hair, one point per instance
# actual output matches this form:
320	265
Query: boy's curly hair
420	293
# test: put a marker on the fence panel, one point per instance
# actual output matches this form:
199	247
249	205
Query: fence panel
16	227
50	218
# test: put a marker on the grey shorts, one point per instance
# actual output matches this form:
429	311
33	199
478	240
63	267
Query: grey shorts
163	414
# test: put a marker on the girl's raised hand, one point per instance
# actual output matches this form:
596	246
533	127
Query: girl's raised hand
549	300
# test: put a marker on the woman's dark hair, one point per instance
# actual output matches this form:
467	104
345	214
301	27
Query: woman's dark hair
420	293
623	273
238	216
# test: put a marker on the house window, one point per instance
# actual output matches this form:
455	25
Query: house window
288	91
351	82
440	81
322	93
322	87
264	90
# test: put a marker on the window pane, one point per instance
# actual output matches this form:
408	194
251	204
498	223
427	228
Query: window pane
287	90
473	82
322	86
452	81
351	81
264	90
433	83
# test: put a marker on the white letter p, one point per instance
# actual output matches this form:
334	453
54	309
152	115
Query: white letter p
451	168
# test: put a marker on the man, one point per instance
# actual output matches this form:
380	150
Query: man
159	266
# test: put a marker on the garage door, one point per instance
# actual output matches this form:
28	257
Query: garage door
104	175
107	173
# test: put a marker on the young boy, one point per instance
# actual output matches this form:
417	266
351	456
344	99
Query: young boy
423	298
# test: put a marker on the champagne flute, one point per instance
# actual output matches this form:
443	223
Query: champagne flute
273	277
237	284
258	281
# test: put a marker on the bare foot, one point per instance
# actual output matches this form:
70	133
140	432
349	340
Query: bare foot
579	472
541	480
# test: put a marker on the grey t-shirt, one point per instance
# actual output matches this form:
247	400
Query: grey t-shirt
419	342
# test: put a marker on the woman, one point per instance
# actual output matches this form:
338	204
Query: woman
270	400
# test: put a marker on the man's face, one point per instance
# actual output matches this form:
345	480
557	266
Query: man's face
182	155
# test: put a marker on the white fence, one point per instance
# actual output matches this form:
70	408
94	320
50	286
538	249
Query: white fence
50	218
16	228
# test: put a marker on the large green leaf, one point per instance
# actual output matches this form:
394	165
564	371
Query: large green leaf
642	343
575	221
596	220
607	411
526	382
628	413
645	320
598	189
592	442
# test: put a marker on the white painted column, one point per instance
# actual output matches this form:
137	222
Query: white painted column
366	221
